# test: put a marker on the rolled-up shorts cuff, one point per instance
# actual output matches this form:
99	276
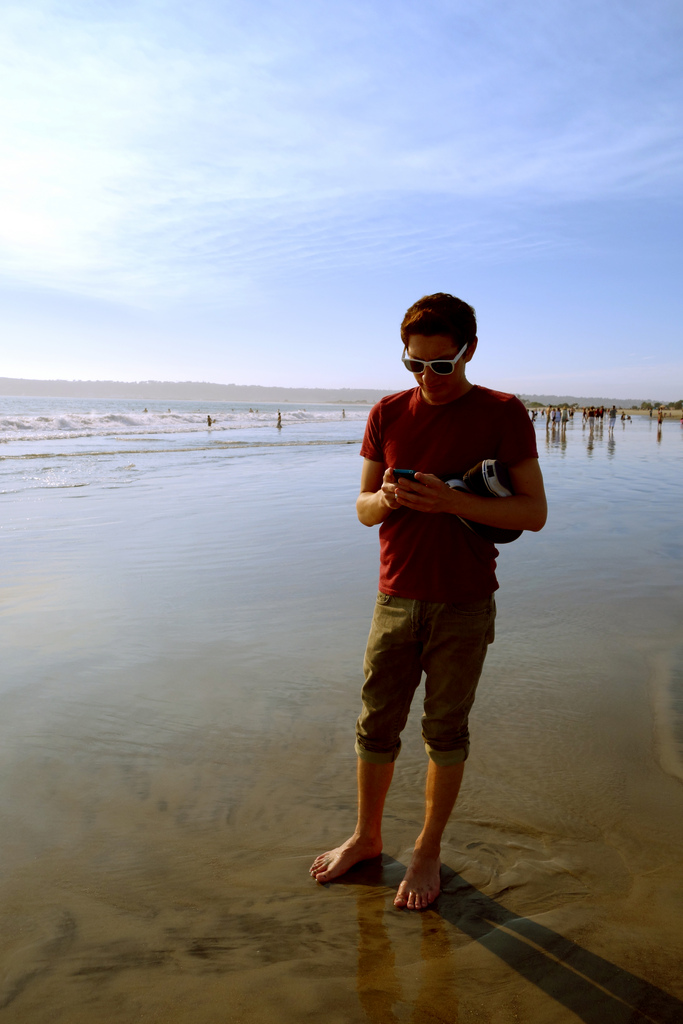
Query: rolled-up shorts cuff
446	758
377	756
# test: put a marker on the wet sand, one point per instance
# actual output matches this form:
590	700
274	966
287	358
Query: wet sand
178	747
156	861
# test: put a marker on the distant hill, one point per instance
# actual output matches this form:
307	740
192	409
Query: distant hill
166	391
149	390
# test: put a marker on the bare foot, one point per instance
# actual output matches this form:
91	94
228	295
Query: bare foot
337	862
422	883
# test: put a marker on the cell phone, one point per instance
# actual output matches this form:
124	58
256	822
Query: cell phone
404	474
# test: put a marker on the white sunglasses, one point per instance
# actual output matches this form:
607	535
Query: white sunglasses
440	366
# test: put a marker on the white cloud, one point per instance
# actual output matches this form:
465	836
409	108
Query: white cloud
152	151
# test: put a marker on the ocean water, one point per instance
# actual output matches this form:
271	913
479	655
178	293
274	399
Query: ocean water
170	533
43	419
118	488
183	613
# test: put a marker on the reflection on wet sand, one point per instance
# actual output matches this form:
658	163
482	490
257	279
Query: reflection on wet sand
382	989
592	988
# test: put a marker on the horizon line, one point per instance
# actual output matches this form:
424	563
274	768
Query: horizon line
42	381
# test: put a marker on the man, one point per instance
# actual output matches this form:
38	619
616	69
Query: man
435	609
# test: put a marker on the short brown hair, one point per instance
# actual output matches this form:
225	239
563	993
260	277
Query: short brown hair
440	314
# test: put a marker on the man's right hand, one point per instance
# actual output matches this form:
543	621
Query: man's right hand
388	489
377	499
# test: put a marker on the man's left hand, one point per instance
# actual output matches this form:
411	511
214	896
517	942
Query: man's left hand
425	494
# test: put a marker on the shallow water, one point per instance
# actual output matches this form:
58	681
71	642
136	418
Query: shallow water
183	624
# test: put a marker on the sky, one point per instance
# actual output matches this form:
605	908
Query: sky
254	193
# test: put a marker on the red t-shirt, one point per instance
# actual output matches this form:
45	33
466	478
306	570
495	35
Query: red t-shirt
433	556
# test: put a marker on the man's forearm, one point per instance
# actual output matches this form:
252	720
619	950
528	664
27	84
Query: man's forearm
371	507
518	512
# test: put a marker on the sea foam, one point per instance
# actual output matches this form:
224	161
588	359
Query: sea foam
97	422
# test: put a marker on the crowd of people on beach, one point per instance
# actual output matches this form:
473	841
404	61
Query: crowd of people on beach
557	417
591	415
595	416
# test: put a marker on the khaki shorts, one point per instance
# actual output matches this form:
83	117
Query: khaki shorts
446	641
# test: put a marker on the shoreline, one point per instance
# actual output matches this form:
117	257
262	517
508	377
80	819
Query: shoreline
665	713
